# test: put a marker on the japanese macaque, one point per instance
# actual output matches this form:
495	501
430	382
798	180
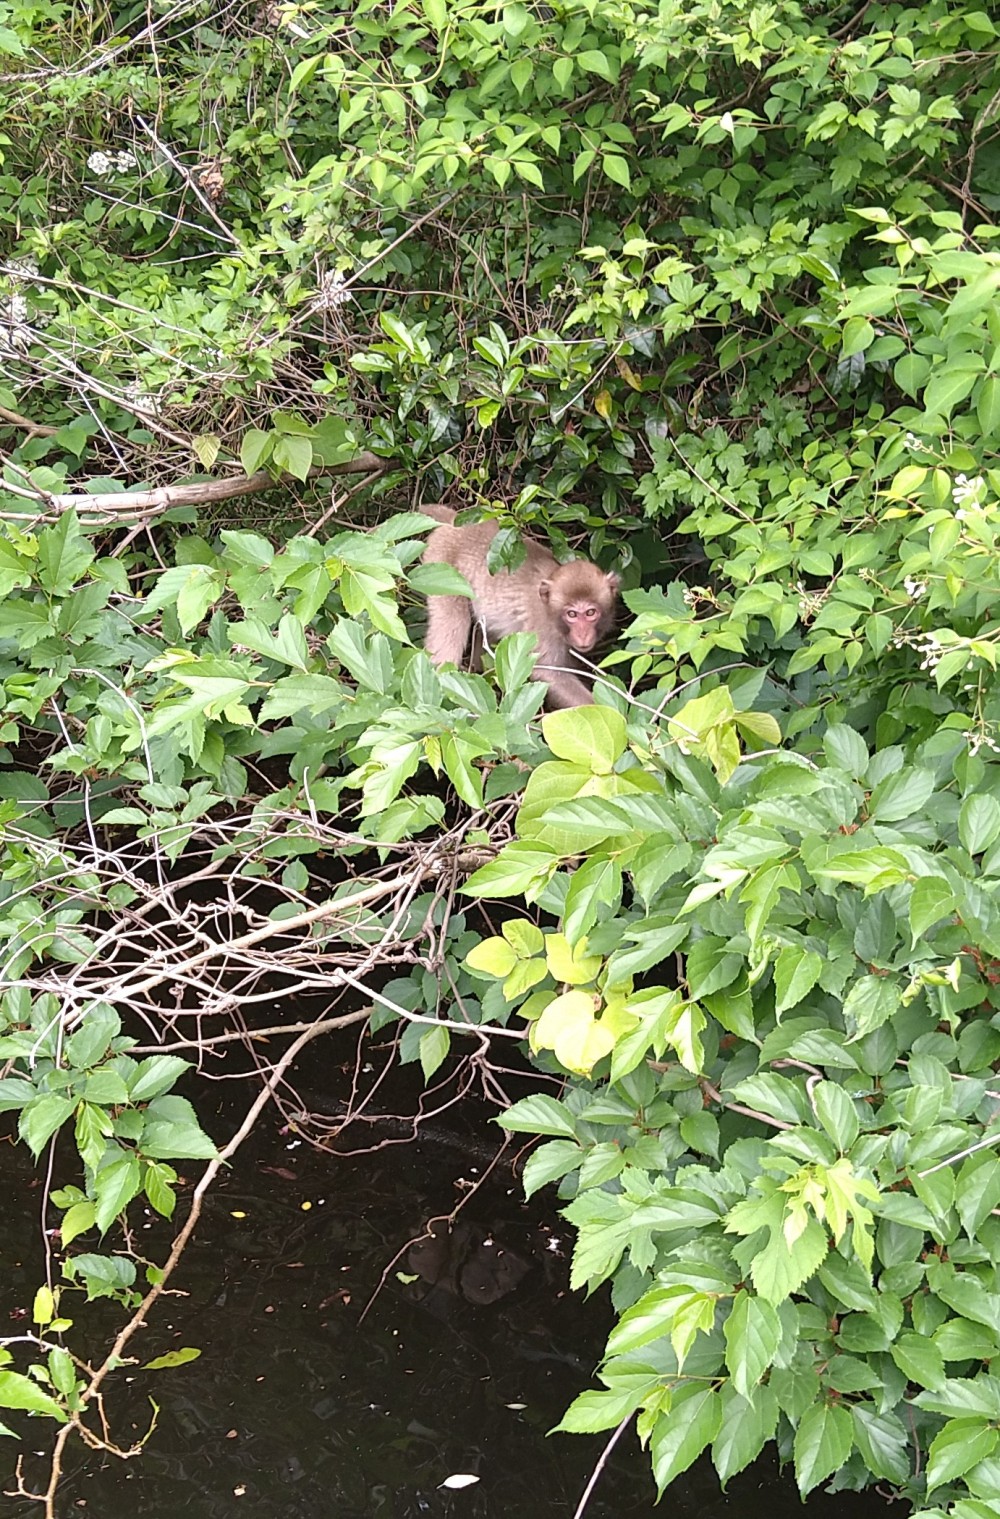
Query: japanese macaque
569	607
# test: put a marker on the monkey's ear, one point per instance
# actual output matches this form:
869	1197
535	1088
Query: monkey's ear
613	582
544	587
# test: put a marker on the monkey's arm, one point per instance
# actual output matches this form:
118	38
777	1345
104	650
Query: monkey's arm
565	690
449	619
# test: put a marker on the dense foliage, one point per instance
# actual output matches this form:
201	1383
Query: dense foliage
709	290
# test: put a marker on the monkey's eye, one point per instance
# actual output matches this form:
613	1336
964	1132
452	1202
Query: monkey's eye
570	614
591	613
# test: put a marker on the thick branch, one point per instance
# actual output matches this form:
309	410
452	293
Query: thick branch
116	505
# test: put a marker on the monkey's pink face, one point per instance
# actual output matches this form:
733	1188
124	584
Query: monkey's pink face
583	623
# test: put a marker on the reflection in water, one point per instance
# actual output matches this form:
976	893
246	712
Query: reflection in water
470	1352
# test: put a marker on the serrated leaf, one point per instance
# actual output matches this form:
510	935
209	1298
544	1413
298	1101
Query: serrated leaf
919	1359
823	1441
837	1114
41	1118
76	1220
979	822
551	1162
902	795
155	1075
745	1429
883	1442
114	1188
539	1114
957	1448
594	737
930	900
752	1334
21	1392
680	1436
977	1191
796	972
871	1002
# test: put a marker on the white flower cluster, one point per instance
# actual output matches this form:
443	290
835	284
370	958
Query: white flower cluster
930	647
914	588
810	602
979	738
332	291
917	444
15	329
141	399
103	164
965	489
21	270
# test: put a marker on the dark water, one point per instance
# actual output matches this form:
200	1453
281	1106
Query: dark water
298	1409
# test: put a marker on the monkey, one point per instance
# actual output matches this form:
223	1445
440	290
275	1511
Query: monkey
567	606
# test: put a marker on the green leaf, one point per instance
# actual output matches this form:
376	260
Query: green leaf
158	1187
680	1436
979	823
745	1429
871	1002
64	554
964	1397
595	62
16	1092
988	406
76	1220
114	1188
796	972
539	1114
315	694
919	1359
62	1371
930	900
551	1162
155	1075
858	335
902	795
617	170
458	749
436	12
171	1358
837	1114
93	1129
434	1047
518	869
883	1442
171	1130
294	455
89	1043
21	1392
600	1409
949	384
753	1334
957	1448
255	446
823	1441
595	890
594	737
41	1118
966	1294
977	1192
200	588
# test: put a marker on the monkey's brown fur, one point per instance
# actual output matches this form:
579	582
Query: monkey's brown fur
566	606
